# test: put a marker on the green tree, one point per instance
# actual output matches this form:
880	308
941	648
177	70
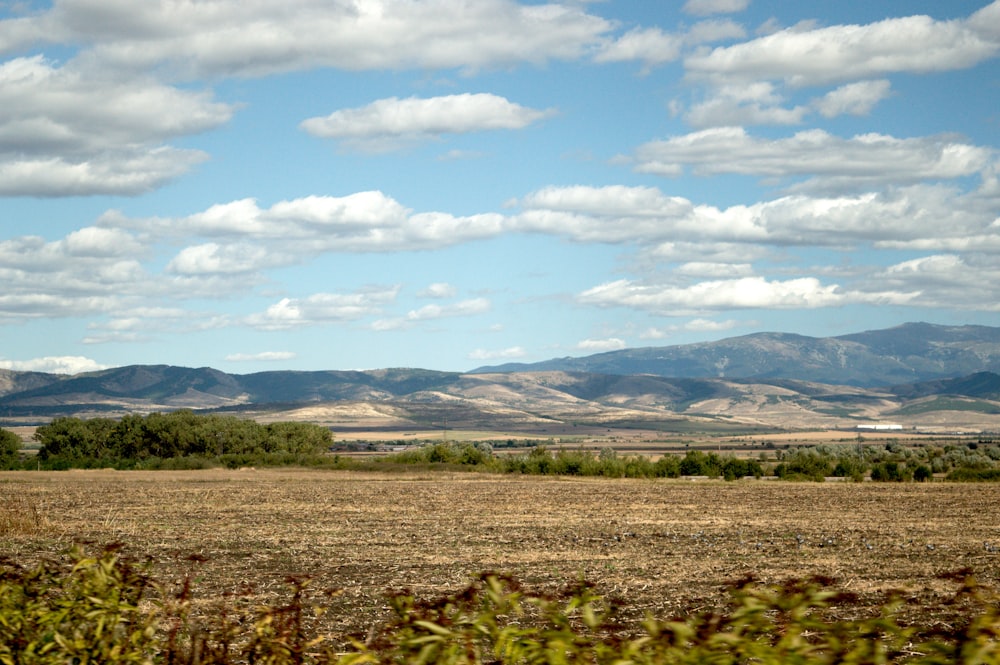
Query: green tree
10	446
65	438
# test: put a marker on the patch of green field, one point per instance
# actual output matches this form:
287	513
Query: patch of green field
948	404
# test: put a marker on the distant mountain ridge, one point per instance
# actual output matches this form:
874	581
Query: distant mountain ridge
951	376
909	353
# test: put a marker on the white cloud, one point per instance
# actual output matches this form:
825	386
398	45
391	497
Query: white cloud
706	7
92	270
653	46
211	257
599	345
501	354
127	173
461	308
755	103
946	280
389	123
69	131
650	45
853	98
694	325
235	38
743	293
711	269
301	228
849	52
54	365
438	290
321	308
861	161
433	312
706	325
142	323
263	356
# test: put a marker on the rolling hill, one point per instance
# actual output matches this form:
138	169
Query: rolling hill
909	353
757	381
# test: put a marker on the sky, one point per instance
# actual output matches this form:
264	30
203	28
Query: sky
253	185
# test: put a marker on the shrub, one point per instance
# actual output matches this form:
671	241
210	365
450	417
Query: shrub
891	472
967	474
10	446
101	609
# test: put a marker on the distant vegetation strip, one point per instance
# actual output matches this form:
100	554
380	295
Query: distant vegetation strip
892	462
185	440
181	439
101	609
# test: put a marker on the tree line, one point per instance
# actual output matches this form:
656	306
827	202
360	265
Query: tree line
183	439
152	440
891	462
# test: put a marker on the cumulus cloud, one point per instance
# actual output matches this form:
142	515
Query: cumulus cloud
54	365
389	123
245	237
853	98
650	45
694	325
235	38
72	131
645	216
461	308
745	83
744	293
653	46
600	345
470	307
241	257
851	52
438	290
706	7
866	160
946	280
263	356
755	103
714	269
143	323
91	270
320	308
500	354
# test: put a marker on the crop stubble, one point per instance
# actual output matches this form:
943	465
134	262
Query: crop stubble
664	546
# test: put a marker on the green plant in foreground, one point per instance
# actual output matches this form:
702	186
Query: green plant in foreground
102	609
88	613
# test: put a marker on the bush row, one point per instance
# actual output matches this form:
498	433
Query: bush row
99	609
150	441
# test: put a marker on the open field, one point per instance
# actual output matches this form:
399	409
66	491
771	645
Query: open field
665	546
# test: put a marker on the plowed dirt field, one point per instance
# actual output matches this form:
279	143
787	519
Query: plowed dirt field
668	547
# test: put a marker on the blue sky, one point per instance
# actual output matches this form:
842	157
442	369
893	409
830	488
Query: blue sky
355	184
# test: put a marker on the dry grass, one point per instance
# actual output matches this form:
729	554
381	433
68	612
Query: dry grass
20	517
665	546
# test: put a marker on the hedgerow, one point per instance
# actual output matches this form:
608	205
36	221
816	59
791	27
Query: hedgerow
103	609
190	440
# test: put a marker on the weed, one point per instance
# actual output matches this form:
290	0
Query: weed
104	609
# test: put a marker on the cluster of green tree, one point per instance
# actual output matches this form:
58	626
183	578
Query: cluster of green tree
99	609
161	439
10	445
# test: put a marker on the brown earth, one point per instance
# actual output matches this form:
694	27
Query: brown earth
665	546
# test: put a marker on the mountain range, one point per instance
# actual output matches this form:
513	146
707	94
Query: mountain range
909	353
917	374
